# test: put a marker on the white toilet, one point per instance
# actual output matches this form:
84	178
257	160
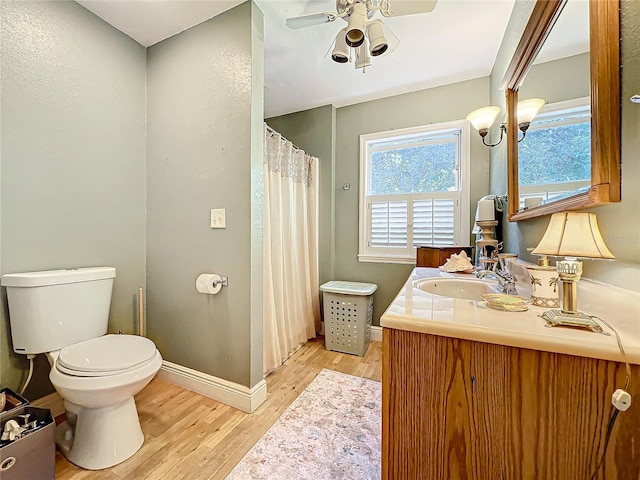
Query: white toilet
64	313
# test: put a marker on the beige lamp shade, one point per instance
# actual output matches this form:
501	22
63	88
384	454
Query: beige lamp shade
484	117
528	109
573	234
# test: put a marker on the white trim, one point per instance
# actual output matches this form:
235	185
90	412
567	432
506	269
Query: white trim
376	333
387	259
233	394
462	228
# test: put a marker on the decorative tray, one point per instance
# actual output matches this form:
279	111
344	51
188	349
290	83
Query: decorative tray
507	303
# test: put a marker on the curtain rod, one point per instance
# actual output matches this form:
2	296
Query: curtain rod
281	136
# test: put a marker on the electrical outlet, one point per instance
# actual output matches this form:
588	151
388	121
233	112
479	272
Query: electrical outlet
218	218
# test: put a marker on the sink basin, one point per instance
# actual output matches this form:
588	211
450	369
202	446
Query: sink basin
466	289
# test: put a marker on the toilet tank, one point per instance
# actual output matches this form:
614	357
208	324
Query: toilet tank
52	309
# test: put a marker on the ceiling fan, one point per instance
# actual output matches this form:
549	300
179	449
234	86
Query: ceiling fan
362	33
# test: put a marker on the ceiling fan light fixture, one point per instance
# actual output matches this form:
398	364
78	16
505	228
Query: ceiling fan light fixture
340	51
363	59
378	43
357	25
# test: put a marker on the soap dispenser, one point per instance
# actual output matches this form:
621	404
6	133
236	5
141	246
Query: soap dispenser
544	284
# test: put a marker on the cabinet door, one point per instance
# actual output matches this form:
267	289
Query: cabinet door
457	409
443	406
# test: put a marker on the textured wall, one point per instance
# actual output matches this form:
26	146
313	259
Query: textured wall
315	132
558	80
441	104
204	138
620	222
73	156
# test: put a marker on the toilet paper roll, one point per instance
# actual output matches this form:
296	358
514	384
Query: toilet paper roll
204	283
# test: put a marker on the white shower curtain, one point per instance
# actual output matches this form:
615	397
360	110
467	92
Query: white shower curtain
291	302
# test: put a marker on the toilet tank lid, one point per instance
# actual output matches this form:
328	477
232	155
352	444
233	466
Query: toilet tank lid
57	277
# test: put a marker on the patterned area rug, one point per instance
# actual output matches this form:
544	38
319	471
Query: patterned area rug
331	431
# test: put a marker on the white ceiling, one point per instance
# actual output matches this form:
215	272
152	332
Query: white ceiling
457	41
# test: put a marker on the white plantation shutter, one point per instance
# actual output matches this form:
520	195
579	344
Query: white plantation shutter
422	202
388	224
434	222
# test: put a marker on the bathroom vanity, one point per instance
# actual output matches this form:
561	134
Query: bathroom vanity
475	393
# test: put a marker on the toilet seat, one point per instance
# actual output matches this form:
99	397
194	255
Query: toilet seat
106	356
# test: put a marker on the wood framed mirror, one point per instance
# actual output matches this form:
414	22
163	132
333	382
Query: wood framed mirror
604	42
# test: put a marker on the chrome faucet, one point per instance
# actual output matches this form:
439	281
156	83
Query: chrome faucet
505	280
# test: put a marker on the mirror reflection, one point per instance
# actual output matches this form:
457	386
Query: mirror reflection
554	160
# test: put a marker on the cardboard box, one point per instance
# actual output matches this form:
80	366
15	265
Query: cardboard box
13	401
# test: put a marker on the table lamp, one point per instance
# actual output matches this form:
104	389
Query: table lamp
572	235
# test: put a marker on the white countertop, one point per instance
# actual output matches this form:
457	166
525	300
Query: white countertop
417	311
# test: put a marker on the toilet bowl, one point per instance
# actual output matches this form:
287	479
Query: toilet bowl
97	379
65	314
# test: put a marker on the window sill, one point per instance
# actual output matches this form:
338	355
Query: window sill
402	259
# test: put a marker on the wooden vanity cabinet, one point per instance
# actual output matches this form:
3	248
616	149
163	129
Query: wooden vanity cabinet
457	409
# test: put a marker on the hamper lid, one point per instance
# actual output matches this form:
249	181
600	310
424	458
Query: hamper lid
349	288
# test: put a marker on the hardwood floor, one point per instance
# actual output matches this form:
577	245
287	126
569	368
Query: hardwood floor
188	436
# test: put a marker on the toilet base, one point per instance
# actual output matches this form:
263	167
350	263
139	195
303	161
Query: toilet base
97	438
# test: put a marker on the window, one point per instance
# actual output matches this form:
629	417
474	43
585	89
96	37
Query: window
554	159
414	190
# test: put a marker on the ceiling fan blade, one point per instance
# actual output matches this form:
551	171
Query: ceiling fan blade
311	19
396	8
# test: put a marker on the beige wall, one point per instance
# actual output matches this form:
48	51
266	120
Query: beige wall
619	223
72	158
204	143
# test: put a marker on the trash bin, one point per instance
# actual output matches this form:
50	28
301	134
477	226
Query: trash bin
348	308
31	455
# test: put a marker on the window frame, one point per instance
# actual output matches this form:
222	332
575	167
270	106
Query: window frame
462	228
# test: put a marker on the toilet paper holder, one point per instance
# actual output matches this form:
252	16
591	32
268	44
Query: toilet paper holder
224	281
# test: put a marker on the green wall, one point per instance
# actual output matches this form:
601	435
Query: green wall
83	182
558	80
434	105
204	143
313	127
72	158
619	222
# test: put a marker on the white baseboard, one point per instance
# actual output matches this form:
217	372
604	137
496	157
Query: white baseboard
376	334
238	396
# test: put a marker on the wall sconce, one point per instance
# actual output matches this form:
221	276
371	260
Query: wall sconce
483	118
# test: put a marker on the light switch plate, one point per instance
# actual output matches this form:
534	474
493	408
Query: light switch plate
218	218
